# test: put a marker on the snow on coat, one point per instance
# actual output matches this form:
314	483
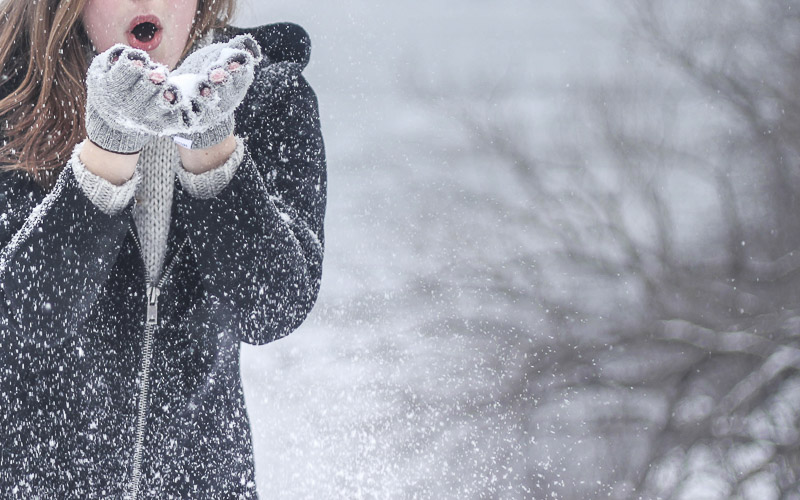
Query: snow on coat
244	266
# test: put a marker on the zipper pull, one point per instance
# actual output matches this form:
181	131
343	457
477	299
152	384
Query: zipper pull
152	305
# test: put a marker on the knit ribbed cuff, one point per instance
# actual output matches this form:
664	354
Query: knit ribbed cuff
211	182
110	139
108	197
211	136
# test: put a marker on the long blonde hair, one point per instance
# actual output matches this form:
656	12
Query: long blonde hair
43	58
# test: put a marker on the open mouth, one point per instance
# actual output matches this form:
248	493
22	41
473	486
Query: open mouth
145	33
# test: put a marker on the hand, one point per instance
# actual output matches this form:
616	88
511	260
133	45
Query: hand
128	100
212	82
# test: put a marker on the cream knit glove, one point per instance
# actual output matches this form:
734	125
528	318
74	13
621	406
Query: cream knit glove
212	83
128	100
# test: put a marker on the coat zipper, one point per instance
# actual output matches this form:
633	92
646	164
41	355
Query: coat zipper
153	291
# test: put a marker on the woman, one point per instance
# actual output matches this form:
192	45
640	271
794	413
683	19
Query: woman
152	216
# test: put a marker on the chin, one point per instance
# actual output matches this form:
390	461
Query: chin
168	61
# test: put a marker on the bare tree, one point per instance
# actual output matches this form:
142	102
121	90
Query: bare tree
653	291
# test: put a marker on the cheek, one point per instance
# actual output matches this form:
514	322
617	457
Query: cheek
181	15
98	18
184	13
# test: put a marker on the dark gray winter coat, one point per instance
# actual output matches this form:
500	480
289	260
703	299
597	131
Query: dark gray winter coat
76	349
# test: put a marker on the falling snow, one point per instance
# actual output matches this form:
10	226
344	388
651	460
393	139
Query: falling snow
561	261
112	384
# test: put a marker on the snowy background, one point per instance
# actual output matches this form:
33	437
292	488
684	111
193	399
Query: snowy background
559	255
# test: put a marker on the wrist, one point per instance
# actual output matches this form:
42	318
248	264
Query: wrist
198	161
110	151
207	138
116	168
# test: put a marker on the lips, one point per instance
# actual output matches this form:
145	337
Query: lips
144	32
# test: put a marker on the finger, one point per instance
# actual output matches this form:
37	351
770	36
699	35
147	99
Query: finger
238	60
170	97
248	44
205	90
128	68
138	57
114	54
157	77
218	76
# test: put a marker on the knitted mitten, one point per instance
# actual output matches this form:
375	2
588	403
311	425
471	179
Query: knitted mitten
212	81
128	100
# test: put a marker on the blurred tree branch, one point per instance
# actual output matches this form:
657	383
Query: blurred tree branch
704	322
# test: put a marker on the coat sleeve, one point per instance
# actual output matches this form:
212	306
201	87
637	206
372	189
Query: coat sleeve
259	243
56	252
